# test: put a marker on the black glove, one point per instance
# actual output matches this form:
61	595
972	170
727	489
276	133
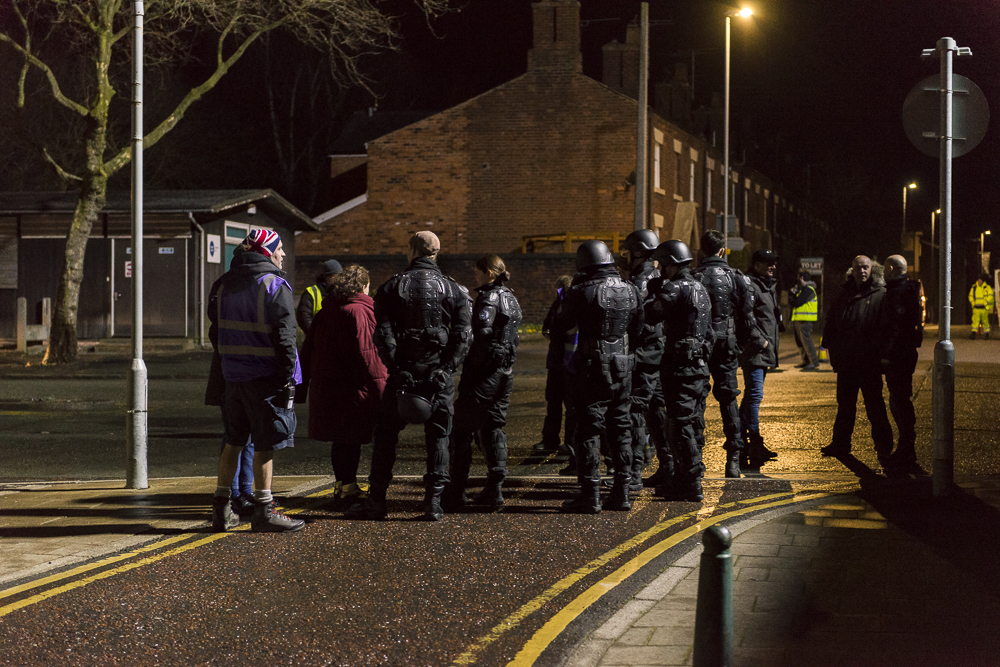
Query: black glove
286	395
440	377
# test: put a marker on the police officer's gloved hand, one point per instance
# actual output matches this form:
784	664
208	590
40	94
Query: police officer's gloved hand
406	379
286	395
440	377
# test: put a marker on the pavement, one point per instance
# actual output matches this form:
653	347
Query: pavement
884	574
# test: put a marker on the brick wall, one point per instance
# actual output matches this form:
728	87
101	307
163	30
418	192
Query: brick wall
532	276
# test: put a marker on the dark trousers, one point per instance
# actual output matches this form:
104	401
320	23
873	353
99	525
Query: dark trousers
558	394
684	397
437	432
646	414
899	380
804	339
726	389
850	380
481	413
603	407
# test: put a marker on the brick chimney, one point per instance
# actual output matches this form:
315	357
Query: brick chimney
673	99
557	36
621	63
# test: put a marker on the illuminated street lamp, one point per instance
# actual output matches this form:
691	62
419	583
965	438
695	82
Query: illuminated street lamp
911	186
982	251
745	12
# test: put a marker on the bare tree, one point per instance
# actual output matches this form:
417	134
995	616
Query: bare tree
47	35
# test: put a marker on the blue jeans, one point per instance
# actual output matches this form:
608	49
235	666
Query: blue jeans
753	395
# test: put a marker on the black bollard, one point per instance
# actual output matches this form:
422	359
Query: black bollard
713	623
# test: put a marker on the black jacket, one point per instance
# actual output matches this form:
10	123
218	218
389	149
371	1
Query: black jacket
902	328
649	346
739	329
767	315
852	326
557	341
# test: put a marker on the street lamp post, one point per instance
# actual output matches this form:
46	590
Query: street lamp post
982	252
911	186
725	127
932	272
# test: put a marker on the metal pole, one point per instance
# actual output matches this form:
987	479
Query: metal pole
138	388
943	395
725	142
642	136
713	624
903	235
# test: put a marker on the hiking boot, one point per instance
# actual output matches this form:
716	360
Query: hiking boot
243	506
369	509
268	519
223	516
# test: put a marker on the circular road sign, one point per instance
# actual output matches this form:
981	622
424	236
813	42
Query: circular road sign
970	115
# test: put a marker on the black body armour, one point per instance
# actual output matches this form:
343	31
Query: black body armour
423	334
718	282
649	347
496	318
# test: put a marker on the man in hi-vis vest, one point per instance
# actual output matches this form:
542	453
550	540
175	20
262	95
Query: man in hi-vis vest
981	300
253	332
312	300
805	312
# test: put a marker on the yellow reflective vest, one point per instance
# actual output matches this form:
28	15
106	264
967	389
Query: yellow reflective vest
317	296
809	311
981	296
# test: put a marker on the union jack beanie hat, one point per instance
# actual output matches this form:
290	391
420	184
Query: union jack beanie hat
263	241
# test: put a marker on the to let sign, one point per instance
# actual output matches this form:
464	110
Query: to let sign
811	264
128	269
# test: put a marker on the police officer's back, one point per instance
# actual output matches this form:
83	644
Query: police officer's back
681	303
422	334
606	312
734	328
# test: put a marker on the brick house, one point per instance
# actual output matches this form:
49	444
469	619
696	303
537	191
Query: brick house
552	152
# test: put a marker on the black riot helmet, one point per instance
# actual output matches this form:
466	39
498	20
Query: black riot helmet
414	408
672	253
593	253
641	242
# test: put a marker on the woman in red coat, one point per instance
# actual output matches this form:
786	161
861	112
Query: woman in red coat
345	377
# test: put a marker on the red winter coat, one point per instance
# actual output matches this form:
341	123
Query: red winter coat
346	377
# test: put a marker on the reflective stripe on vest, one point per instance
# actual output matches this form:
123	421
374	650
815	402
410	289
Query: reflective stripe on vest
250	336
981	296
317	296
807	312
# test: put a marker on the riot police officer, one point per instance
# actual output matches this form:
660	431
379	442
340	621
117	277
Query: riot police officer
422	333
487	382
647	414
735	329
606	313
682	304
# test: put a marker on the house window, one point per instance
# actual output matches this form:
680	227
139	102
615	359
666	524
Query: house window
656	168
680	175
691	183
235	233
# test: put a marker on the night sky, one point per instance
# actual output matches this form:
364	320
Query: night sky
817	92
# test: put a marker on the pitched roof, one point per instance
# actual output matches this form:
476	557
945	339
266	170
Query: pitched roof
162	201
363	127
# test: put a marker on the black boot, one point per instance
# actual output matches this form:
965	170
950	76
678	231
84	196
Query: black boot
587	502
491	496
758	453
618	501
733	463
453	499
432	502
372	508
686	491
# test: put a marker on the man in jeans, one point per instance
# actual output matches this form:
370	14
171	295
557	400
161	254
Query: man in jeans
755	366
253	332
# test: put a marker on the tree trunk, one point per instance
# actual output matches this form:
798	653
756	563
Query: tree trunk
62	339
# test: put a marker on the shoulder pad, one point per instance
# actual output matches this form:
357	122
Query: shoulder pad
492	296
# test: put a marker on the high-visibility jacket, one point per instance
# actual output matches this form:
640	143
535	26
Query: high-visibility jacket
981	296
808	311
317	295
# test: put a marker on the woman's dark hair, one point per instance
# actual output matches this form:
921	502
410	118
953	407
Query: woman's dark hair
349	282
493	265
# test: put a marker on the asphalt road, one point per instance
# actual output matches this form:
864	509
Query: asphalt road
473	589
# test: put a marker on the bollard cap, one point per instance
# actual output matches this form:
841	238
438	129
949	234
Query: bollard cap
716	539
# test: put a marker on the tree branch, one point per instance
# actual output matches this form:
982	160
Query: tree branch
57	93
59	170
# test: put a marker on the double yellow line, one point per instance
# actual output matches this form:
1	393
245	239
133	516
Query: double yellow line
544	637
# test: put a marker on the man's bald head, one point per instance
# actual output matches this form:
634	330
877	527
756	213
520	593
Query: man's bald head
861	269
895	266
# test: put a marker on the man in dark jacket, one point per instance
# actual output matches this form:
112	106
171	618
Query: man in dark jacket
312	300
902	331
735	329
557	382
682	305
756	361
647	408
423	332
253	332
851	334
606	312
